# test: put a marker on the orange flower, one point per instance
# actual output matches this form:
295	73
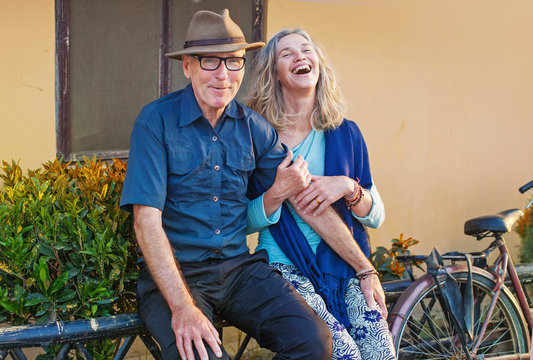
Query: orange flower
404	244
397	268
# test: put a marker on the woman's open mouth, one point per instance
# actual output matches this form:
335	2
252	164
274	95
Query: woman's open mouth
302	69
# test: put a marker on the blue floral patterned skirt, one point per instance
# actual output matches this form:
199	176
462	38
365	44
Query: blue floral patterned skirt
370	338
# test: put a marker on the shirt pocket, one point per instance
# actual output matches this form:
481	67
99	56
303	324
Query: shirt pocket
182	164
240	164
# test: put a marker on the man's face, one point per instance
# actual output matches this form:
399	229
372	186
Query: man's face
213	89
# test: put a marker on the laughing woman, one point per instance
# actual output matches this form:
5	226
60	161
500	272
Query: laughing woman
312	242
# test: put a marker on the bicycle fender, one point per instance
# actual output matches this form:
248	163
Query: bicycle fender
406	299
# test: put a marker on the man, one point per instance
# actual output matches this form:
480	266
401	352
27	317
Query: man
191	154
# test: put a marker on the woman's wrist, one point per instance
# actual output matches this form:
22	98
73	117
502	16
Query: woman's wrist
355	198
354	187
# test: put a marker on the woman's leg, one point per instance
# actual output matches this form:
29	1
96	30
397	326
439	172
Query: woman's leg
344	346
369	328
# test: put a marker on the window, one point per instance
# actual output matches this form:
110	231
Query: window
110	62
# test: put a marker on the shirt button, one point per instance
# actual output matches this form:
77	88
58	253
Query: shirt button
214	138
217	167
217	251
215	199
217	231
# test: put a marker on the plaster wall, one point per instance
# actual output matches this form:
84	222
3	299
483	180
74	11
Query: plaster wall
442	93
27	109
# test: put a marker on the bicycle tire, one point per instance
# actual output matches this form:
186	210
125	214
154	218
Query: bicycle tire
417	336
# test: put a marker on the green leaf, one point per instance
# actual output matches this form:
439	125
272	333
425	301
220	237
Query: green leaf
35	298
42	309
59	283
9	305
42	275
106	301
66	295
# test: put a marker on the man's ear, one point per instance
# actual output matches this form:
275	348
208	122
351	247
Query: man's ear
186	66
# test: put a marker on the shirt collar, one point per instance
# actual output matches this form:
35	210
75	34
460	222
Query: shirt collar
190	110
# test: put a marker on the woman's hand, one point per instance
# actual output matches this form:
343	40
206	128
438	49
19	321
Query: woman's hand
322	192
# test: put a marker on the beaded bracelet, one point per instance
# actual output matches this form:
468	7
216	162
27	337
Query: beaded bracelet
362	272
366	273
355	198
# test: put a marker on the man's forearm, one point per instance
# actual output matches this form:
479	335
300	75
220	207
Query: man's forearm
159	258
330	227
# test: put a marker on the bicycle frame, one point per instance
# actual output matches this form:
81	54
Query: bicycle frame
502	266
498	271
515	281
441	314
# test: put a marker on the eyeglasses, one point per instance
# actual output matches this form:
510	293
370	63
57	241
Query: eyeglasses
211	63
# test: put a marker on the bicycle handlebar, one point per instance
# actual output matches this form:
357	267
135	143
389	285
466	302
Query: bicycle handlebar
526	187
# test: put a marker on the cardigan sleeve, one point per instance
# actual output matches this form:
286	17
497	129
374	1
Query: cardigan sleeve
257	219
375	218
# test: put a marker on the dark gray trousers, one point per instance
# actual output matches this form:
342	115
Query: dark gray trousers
250	295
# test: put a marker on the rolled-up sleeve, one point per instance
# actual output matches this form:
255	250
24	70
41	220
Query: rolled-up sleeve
377	214
146	176
257	219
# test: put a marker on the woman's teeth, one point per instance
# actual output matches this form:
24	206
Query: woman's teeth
302	69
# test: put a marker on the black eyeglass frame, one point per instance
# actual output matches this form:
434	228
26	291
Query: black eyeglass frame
220	60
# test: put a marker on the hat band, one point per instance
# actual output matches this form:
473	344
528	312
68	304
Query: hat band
232	40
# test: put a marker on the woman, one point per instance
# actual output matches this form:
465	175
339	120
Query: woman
294	88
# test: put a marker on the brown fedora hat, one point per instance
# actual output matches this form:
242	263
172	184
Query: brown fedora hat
210	32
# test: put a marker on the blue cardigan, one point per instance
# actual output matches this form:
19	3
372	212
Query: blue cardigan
346	154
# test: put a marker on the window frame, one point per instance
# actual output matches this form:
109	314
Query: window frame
63	116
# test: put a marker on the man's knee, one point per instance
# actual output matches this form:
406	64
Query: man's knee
319	344
297	332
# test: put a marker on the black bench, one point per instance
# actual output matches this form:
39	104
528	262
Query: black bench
74	334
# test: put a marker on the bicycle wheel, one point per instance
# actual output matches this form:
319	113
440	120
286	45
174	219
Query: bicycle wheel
422	329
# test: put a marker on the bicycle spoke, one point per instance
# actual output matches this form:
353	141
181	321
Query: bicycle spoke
430	333
429	341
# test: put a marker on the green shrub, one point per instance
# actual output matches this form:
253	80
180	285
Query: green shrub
67	251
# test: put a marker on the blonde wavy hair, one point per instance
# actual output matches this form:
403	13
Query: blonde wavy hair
266	96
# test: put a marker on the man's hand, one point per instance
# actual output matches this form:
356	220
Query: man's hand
373	292
290	180
190	325
188	322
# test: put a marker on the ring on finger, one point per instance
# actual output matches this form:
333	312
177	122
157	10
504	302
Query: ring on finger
318	201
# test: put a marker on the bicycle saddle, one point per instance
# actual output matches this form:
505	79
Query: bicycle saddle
501	222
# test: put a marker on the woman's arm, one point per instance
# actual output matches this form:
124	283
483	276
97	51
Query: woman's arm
325	190
376	216
291	178
256	216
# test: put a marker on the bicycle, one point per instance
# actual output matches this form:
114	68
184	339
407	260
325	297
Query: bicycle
464	310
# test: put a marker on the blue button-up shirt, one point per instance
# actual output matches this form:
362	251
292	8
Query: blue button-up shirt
198	175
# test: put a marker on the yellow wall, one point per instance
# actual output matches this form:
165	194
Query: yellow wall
27	108
442	92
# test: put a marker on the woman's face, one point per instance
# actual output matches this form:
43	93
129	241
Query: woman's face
296	63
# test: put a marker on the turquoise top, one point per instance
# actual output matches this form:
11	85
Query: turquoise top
312	149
